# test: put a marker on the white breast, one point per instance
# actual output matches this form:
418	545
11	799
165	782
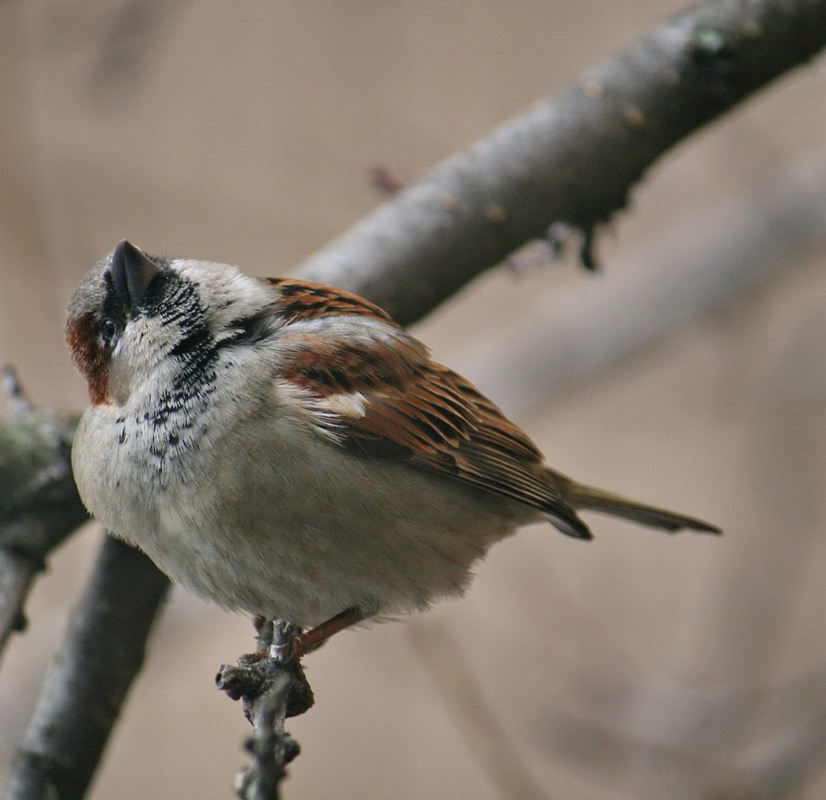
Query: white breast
253	508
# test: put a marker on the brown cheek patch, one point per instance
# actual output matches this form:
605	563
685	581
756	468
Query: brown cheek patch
91	358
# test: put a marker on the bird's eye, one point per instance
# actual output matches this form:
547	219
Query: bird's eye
108	328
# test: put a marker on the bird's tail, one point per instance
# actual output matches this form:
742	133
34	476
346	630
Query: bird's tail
590	499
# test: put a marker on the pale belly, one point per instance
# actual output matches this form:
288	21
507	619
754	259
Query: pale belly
288	525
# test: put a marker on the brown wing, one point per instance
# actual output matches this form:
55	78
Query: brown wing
305	300
373	387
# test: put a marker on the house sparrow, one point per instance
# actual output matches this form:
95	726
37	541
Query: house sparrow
285	448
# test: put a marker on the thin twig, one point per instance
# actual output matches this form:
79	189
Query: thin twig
271	746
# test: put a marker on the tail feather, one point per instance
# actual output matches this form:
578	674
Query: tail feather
590	499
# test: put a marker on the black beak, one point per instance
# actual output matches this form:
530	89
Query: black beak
132	272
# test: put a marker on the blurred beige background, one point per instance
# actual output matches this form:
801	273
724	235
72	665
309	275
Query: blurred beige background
637	666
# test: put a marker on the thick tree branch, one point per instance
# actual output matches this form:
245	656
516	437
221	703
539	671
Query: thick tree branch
102	653
572	158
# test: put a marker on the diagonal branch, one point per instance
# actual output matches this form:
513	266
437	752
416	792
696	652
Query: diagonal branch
101	654
572	158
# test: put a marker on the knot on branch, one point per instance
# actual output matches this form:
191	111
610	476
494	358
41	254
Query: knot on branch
257	674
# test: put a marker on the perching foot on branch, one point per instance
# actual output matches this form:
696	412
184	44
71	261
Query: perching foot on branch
256	672
272	686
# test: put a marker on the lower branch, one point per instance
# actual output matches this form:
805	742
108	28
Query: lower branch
102	653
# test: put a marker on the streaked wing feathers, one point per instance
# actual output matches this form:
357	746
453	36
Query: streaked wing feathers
372	387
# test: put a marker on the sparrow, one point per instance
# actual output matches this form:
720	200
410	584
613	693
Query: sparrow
286	449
